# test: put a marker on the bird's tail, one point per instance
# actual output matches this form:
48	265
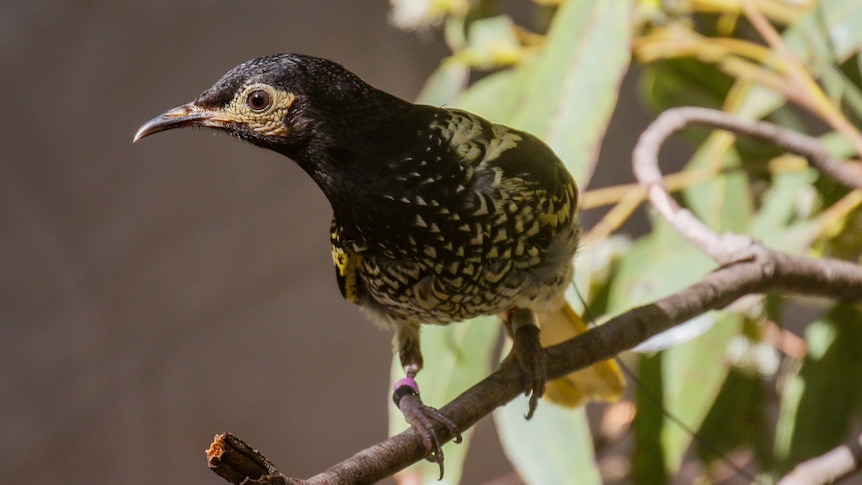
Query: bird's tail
601	381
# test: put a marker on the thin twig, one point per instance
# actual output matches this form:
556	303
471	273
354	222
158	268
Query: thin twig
807	93
827	468
728	247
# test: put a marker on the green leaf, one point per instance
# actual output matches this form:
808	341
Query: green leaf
723	203
683	82
657	265
738	418
491	41
818	402
497	96
828	33
445	84
555	446
649	457
693	373
775	224
456	357
566	94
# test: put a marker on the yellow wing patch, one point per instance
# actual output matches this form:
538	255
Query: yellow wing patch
346	269
602	381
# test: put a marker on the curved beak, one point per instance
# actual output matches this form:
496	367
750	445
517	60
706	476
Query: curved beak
188	114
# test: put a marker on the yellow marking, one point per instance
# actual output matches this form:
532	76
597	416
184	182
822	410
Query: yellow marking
475	258
501	235
477	237
483	205
492	277
468	151
464	128
503	140
519	225
346	265
498	177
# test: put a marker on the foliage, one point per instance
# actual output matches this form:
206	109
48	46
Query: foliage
795	63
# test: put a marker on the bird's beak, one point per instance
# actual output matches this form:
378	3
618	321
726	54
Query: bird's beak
182	116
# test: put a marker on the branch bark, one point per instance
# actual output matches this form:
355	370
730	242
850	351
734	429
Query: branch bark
727	247
769	271
746	267
827	468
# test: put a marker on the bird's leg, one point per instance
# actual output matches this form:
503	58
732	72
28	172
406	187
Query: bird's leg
406	396
524	327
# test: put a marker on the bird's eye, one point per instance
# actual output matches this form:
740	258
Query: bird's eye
258	100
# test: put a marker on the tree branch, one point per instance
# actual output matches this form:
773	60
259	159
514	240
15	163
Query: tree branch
827	468
747	267
728	247
768	271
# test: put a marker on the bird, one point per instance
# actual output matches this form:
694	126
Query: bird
438	215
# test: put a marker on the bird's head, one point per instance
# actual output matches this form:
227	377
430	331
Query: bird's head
335	126
284	102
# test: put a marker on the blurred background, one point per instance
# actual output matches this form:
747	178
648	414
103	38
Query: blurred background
152	295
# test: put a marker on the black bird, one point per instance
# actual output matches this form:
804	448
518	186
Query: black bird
438	215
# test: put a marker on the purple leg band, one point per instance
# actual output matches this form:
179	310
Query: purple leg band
409	382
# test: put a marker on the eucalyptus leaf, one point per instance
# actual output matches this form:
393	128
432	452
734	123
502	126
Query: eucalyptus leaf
820	400
693	375
445	84
724	203
649	456
657	265
738	418
566	94
691	372
772	223
555	446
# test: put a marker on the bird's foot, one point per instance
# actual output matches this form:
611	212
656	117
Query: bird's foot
423	419
533	359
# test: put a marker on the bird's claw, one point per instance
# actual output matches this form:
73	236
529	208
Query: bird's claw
423	419
534	361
